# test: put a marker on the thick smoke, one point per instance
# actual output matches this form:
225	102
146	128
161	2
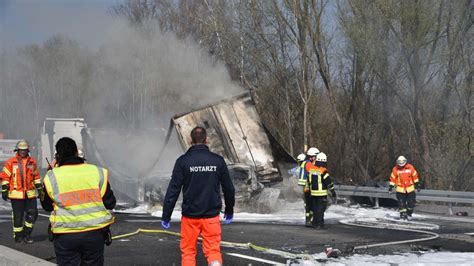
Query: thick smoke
126	81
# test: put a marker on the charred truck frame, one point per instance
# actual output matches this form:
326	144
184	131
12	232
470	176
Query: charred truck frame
257	163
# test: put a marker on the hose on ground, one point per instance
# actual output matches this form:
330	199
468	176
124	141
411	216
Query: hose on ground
223	243
284	254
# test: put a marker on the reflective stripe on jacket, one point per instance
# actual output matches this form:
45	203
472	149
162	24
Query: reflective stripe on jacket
404	178
21	175
319	181
303	174
77	192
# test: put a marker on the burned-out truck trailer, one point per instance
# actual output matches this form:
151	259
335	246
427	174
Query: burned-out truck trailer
257	163
236	133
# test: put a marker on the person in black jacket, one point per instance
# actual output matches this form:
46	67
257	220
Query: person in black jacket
200	174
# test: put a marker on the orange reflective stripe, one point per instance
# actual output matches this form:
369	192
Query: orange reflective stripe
80	197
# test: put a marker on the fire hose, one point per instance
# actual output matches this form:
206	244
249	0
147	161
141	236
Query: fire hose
284	254
223	243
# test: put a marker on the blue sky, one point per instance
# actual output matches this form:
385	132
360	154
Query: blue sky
24	22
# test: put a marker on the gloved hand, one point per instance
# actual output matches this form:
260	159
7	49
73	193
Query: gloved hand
333	193
5	192
418	187
228	218
306	190
165	224
39	188
390	189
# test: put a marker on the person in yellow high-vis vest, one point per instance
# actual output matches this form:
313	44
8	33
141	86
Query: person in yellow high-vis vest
79	197
302	176
20	180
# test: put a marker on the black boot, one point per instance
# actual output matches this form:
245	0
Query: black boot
27	235
19	237
308	222
28	239
403	215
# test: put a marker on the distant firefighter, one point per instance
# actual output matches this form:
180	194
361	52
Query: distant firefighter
404	179
304	172
319	182
20	182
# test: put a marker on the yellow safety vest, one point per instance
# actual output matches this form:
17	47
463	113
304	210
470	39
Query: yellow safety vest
316	184
77	192
303	174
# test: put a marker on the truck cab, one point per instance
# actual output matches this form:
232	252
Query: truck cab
53	129
7	147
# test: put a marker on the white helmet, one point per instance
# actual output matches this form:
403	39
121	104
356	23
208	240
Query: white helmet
401	161
312	151
321	157
301	157
22	145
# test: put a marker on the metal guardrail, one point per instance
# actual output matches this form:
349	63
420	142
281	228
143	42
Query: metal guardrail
425	194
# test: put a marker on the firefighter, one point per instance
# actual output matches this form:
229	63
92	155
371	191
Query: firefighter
79	197
310	154
302	175
318	183
200	174
20	181
404	179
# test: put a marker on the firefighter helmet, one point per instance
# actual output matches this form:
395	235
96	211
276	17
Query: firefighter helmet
401	161
312	151
22	145
321	157
301	157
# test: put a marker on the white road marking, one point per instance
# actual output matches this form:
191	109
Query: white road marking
254	258
471	234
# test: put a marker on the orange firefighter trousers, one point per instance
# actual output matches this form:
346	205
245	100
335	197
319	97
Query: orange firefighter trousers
210	230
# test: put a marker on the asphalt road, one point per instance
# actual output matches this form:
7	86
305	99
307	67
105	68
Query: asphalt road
163	249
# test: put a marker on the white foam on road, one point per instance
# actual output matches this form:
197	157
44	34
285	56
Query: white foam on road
143	208
428	258
290	212
294	213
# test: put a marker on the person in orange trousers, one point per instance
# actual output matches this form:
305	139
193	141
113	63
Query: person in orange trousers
200	174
